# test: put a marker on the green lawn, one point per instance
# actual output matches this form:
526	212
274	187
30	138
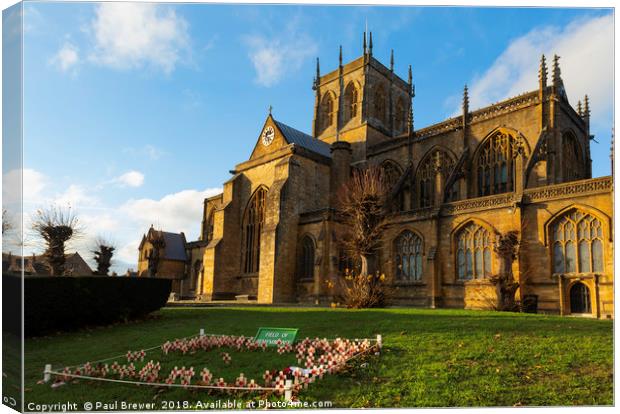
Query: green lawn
431	358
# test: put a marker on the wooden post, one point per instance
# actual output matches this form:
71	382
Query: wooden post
47	373
379	341
288	390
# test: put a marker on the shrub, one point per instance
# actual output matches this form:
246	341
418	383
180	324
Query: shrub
65	303
364	291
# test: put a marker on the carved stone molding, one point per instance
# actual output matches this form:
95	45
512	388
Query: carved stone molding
583	187
480	203
500	108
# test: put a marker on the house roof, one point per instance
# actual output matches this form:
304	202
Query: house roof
174	246
174	243
37	264
294	136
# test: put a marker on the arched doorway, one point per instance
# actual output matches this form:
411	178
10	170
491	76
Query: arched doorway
580	299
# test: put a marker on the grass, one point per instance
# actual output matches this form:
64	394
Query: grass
431	358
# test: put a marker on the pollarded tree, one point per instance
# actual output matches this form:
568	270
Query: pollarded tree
363	205
507	249
56	226
103	252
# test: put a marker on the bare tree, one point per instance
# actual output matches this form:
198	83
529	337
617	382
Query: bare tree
6	223
363	205
103	252
56	226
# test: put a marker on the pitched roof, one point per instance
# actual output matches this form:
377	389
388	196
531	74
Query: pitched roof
174	243
175	246
37	264
294	136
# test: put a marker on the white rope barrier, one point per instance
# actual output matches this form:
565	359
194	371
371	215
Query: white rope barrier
287	389
163	384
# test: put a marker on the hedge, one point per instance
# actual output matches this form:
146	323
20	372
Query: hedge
56	303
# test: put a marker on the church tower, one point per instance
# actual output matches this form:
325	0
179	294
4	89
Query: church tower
362	102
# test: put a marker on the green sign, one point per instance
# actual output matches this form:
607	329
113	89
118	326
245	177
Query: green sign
272	335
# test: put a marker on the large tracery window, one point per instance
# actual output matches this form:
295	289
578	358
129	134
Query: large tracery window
436	161
379	105
473	252
392	173
253	220
351	98
572	158
327	111
408	256
577	244
495	166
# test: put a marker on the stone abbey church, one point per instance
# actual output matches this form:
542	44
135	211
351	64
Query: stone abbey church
521	165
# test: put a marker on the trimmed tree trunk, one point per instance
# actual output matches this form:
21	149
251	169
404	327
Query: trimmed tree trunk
369	264
507	247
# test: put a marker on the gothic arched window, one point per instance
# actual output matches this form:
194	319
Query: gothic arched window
473	252
210	224
494	164
577	243
379	105
306	259
327	111
351	98
392	173
572	158
436	161
253	220
401	116
408	256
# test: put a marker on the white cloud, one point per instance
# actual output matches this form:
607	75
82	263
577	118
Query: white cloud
75	196
122	223
175	212
585	47
33	184
134	35
274	57
131	179
66	57
153	153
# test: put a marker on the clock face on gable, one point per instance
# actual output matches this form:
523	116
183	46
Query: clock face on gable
268	135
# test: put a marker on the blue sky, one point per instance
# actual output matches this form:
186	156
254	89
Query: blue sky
147	107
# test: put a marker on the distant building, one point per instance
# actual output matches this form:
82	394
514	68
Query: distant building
167	255
75	265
